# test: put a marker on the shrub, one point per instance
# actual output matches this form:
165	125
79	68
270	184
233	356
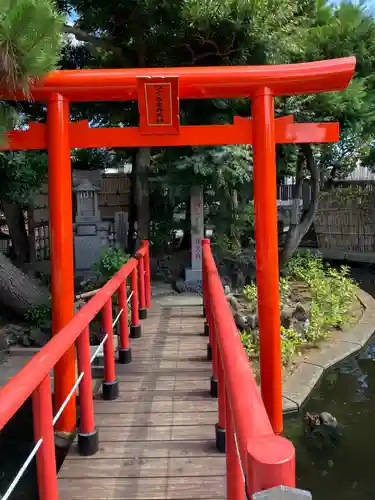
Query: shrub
332	293
39	314
251	294
111	261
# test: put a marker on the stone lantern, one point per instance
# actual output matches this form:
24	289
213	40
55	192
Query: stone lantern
87	203
88	227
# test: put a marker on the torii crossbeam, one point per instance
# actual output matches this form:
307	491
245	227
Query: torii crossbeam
158	92
241	132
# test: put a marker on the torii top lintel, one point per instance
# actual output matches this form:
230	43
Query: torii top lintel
195	82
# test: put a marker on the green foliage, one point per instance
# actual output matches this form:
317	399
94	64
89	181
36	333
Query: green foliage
22	173
251	292
224	245
332	292
337	31
111	261
30	45
39	314
30	40
92	159
251	295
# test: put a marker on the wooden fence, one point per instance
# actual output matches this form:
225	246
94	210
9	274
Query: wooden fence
114	194
38	239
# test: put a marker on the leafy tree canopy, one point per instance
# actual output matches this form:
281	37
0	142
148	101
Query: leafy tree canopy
22	173
30	45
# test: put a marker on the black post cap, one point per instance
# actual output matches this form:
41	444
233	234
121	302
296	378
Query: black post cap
209	352
88	444
110	390
135	331
125	356
220	438
142	313
214	390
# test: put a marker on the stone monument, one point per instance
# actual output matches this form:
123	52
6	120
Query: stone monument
194	274
91	234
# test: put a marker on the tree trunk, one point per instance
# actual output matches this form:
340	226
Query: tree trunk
142	192
32	233
297	231
139	216
186	239
17	230
132	207
18	291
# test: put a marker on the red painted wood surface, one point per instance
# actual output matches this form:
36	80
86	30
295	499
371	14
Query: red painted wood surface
240	132
195	82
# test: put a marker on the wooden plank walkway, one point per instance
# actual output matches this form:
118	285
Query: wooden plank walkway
157	439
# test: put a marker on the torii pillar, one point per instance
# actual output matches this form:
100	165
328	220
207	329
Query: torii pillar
61	249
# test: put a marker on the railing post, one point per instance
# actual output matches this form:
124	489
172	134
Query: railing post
211	346
135	328
220	426
213	343
110	383
205	241
270	462
43	429
88	438
141	288
235	481
125	353
145	244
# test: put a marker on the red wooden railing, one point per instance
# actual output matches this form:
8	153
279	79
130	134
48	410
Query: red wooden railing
34	379
256	458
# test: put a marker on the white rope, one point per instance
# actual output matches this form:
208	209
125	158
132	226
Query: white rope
99	347
59	413
22	470
63	406
239	457
117	318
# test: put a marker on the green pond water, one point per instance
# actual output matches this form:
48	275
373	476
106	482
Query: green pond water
347	391
346	471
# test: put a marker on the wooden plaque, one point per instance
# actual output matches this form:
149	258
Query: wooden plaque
158	105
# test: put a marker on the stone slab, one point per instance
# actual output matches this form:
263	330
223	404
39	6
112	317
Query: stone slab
289	406
329	355
302	381
181	300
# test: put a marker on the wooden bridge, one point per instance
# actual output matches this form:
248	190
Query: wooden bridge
180	415
157	440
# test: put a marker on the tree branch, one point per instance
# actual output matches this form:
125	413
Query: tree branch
195	58
102	43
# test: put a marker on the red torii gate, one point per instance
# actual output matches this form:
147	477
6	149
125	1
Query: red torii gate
158	92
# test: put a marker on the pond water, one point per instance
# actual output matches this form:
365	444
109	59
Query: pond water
347	391
16	442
